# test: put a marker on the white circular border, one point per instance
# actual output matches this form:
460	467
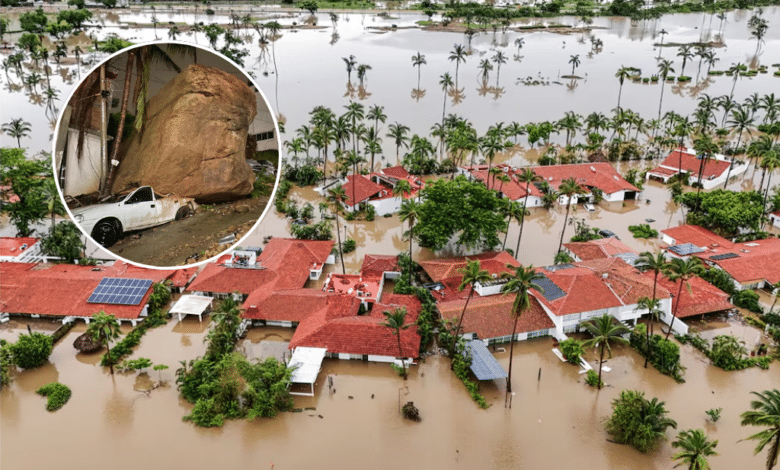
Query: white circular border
271	198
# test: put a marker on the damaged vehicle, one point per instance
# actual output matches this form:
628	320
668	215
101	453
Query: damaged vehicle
140	209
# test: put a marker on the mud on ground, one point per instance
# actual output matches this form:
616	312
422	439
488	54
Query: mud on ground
193	239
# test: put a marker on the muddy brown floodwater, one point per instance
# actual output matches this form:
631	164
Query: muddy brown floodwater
555	422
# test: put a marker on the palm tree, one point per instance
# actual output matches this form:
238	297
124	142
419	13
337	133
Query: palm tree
350	62
402	188
395	320
511	209
335	197
499	58
694	447
519	43
354	114
52	200
526	176
765	412
472	274
663	33
485	66
575	62
664	69
458	55
657	264
684	52
377	114
681	270
418	60
736	71
173	32
362	70
520	282
706	146
568	187
741	122
17	129
398	132
104	328
446	83
410	211
622	74
604	331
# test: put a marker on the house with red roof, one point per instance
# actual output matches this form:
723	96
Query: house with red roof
602	248
685	160
697	297
513	189
21	250
377	188
446	276
751	265
381	265
68	291
774	219
346	334
285	263
365	287
590	176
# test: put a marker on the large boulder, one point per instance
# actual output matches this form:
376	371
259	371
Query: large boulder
194	139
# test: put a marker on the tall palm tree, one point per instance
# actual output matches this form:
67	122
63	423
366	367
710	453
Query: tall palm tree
355	113
664	69
377	114
680	270
445	82
685	52
17	129
418	60
623	73
351	63
663	33
398	132
402	189
512	210
485	66
765	412
457	55
410	211
362	71
707	147
395	320
736	71
604	331
694	447
740	121
520	283
658	265
526	176
335	197
575	62
568	187
103	329
472	274
499	58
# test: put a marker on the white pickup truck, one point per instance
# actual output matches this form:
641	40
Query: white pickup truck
141	208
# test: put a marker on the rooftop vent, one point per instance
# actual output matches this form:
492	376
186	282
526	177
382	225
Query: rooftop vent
592	169
24	246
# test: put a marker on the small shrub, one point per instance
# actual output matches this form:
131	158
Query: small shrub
31	351
348	246
643	231
209	11
747	299
592	378
572	350
370	213
461	367
714	414
134	364
683	78
57	395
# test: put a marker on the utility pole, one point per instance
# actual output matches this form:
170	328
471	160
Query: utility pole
104	93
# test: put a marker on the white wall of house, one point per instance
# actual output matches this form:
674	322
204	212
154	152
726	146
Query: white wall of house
82	176
615	197
489	288
389	205
775	220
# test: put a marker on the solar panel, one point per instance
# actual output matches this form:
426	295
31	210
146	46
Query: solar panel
119	291
483	364
724	256
551	291
685	249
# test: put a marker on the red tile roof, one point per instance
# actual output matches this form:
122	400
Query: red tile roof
379	264
596	285
491	316
63	289
598	249
589	175
690	163
362	286
513	190
696	235
493	262
364	188
757	260
295	305
702	298
10	246
396	171
286	264
341	331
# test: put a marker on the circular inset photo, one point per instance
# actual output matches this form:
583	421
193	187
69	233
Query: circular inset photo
166	154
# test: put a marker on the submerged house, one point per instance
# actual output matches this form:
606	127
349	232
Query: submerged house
685	160
602	248
21	250
377	188
514	189
590	176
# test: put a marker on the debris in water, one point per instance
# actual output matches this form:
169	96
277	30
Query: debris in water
411	412
310	408
372	396
350	397
320	416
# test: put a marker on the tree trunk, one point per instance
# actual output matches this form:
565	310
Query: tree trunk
728	175
522	221
108	354
565	219
338	234
411	237
508	398
661	101
460	322
620	92
400	353
120	130
674	314
601	363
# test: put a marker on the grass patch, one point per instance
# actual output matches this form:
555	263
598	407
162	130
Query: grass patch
643	231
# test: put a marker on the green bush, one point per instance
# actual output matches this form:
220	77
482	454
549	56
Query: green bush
461	367
348	246
125	346
592	378
6	362
572	350
665	355
370	213
31	351
637	421
714	414
683	78
57	395
643	231
747	299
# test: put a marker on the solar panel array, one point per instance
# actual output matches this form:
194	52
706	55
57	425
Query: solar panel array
685	249
551	291
117	291
724	256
